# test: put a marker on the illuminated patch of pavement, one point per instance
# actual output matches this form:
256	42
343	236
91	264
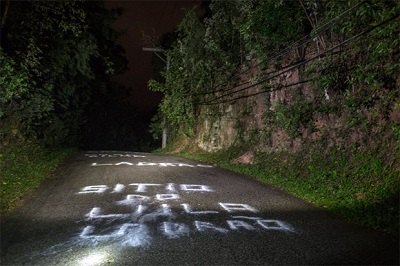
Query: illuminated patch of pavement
121	208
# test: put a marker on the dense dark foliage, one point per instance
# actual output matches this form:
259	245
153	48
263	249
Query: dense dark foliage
210	52
56	59
324	77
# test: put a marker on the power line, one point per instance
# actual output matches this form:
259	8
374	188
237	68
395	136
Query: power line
212	102
281	87
301	42
306	38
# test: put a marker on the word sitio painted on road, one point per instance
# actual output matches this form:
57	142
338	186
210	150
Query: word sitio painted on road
160	164
144	187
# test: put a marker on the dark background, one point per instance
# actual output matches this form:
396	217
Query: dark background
142	24
120	120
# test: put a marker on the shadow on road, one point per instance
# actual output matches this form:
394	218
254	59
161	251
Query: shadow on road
181	238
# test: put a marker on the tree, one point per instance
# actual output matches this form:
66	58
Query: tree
58	54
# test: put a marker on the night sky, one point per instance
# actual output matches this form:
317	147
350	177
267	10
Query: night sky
142	23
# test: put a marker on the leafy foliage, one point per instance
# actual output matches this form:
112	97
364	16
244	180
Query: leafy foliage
353	168
54	55
269	25
56	59
208	52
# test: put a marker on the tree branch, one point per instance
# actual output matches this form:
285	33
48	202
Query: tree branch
4	15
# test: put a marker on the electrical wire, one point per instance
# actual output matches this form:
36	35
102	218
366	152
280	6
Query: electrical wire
281	87
301	42
212	102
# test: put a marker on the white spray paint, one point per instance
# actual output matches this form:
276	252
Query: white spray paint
163	212
133	200
139	211
188	209
247	217
114	155
118	188
101	164
124	163
235	225
186	165
167	164
146	164
175	230
134	235
128	234
96	213
163	197
274	225
206	226
159	164
171	187
196	188
205	166
93	189
87	231
142	187
132	228
235	207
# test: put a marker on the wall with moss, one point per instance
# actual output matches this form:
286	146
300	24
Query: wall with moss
285	117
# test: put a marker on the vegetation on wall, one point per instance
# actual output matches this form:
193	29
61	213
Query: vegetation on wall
360	79
204	62
196	63
208	52
346	52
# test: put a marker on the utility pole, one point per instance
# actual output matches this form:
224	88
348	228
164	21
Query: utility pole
165	59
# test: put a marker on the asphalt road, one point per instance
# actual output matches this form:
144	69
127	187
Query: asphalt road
119	208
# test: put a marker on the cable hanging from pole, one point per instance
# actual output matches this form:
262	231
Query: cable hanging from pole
279	53
289	68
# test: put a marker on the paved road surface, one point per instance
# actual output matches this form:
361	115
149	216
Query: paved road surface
119	208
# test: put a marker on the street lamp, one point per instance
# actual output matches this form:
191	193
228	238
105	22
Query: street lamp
157	51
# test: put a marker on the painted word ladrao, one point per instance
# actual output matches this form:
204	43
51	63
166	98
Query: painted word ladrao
160	164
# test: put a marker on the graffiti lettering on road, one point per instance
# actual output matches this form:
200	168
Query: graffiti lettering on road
113	155
159	164
157	209
144	187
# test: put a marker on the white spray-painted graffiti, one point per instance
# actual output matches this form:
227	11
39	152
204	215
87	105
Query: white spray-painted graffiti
141	163
113	155
160	164
143	187
157	213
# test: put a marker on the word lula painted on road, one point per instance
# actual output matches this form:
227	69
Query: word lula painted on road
160	210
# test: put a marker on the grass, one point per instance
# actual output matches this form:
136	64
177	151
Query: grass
360	186
23	167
